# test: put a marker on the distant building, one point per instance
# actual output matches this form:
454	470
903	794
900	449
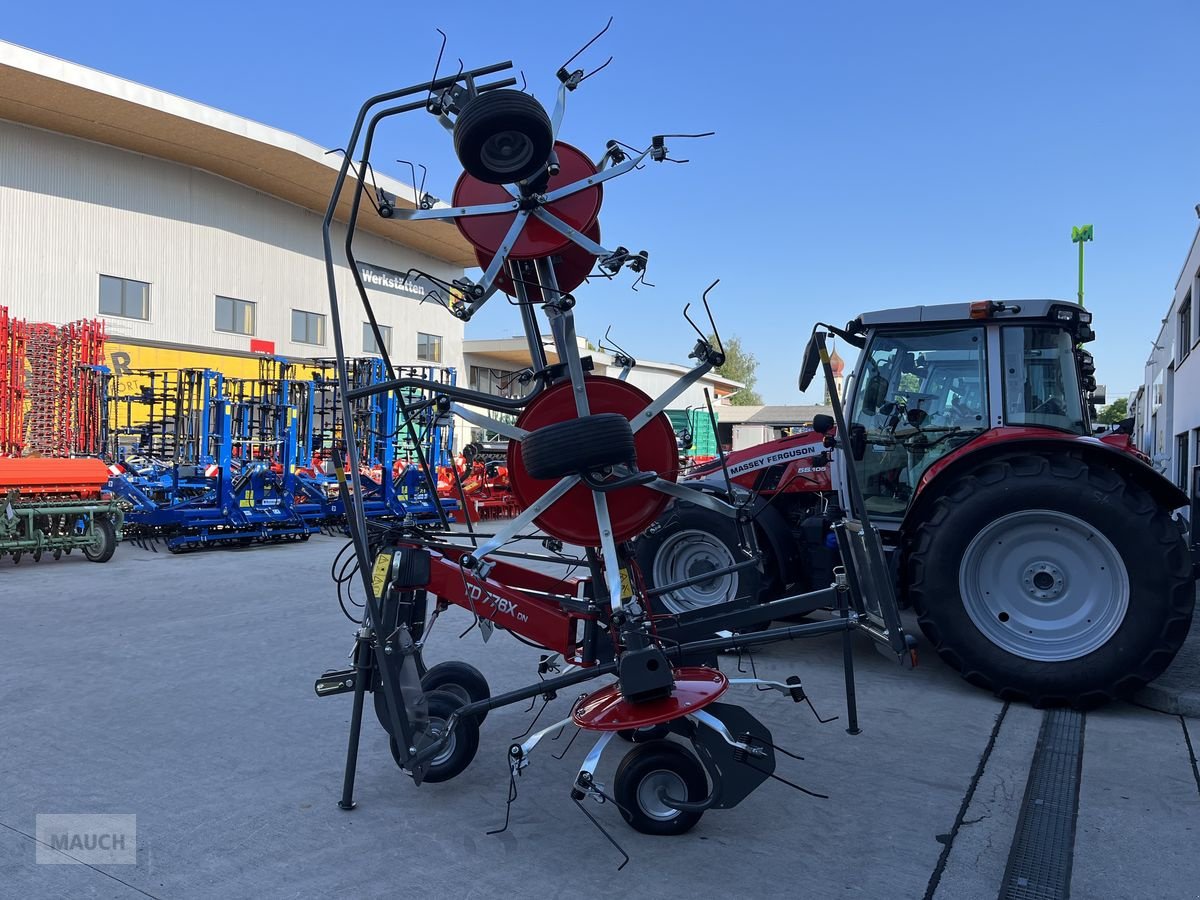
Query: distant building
1166	408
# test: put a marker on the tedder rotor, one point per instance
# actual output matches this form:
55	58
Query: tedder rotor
593	461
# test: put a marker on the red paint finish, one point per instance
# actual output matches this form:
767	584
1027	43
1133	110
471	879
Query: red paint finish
794	452
537	240
571	266
1003	435
607	710
502	598
632	510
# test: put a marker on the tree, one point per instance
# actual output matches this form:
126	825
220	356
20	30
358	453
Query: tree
740	365
1114	412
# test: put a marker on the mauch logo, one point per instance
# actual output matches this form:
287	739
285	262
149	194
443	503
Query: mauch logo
103	839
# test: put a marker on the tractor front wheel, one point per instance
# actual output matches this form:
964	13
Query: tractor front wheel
1044	578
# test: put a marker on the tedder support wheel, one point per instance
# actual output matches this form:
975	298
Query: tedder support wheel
106	541
463	744
577	445
688	541
1044	578
503	136
461	679
651	770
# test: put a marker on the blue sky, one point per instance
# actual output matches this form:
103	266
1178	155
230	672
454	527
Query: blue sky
867	154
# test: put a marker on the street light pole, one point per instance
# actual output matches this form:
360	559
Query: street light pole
1080	236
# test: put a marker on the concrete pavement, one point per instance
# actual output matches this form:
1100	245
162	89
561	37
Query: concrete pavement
179	689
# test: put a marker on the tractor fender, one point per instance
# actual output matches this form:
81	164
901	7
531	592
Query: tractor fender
980	452
770	525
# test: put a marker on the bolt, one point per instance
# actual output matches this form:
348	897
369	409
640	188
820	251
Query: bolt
412	749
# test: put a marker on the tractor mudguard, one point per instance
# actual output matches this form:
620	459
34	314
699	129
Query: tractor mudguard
1000	442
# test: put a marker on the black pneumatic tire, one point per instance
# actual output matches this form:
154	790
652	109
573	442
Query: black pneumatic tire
106	541
461	679
499	123
659	761
577	445
463	745
1155	555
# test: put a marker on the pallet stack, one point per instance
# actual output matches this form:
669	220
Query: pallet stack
14	334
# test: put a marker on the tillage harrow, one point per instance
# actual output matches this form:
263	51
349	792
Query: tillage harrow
201	459
593	461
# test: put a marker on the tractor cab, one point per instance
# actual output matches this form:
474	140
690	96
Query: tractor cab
931	379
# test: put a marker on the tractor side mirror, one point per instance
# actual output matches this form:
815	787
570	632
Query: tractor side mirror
858	442
808	367
916	417
822	424
873	394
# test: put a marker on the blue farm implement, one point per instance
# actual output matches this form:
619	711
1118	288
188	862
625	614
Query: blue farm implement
201	459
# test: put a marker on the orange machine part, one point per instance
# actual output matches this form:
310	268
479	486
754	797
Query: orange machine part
39	476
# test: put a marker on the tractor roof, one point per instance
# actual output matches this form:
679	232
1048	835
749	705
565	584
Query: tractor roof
962	312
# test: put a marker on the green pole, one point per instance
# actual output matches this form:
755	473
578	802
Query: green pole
1081	235
1081	273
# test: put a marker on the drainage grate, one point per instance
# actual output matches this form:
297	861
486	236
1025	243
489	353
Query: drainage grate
1039	862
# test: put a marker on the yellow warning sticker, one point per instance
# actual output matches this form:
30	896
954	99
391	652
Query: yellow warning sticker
379	574
626	585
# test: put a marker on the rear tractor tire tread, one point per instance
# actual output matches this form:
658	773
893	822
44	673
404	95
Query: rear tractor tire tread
1163	554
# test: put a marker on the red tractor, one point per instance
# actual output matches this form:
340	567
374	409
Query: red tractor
1043	563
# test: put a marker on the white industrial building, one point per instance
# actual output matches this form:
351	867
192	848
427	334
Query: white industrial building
1166	408
193	230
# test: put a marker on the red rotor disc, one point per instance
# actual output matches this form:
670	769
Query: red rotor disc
572	518
607	710
580	210
571	267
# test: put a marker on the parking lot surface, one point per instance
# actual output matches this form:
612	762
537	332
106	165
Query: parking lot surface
179	689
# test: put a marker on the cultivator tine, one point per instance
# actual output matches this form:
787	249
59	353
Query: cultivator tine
567	748
608	837
512	796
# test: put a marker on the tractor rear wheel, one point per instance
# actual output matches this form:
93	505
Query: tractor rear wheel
689	542
1044	578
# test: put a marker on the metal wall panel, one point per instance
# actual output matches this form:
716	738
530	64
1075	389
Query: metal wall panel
71	210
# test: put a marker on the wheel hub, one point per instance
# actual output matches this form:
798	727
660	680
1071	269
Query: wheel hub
689	554
1044	585
1043	580
653	786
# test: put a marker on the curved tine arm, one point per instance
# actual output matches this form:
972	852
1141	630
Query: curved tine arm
455	212
646	416
501	257
512	432
578	237
474	398
517	525
584	183
593	758
691	495
560	107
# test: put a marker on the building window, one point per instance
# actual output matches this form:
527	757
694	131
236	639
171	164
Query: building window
308	327
235	316
124	297
1181	461
498	382
369	345
429	347
1185	326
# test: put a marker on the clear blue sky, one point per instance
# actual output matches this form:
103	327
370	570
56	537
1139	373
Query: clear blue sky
867	154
